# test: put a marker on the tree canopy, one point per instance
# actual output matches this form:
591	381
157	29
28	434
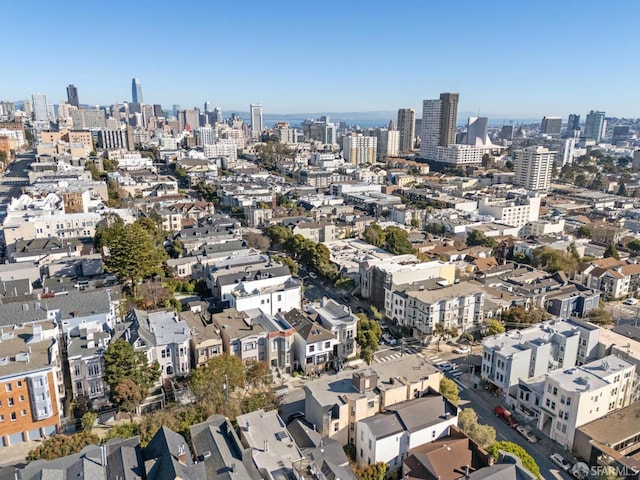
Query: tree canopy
475	237
612	251
393	239
449	390
600	316
483	435
369	333
519	315
527	460
494	327
62	445
551	260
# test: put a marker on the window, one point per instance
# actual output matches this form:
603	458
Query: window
568	400
14	417
76	370
312	348
24	413
327	344
8	387
10	401
361	455
371	404
555	390
19	383
336	427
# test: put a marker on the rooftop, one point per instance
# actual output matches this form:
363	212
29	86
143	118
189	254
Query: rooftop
590	376
462	289
27	349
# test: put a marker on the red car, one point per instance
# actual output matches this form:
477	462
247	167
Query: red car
505	416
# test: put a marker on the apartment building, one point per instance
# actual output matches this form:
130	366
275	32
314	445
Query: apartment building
516	213
206	342
85	352
241	336
313	344
534	351
31	384
339	320
457	306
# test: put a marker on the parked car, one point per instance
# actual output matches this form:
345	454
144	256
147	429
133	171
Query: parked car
526	433
505	416
445	366
389	340
631	301
560	461
461	350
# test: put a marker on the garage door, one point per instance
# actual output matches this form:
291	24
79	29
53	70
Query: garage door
15	438
34	434
50	430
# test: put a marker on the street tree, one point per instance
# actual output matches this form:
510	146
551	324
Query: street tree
122	362
369	333
449	390
527	460
484	435
494	327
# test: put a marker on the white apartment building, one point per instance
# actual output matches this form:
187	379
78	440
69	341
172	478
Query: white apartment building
359	149
533	167
134	161
339	320
86	365
461	154
457	306
531	352
516	213
222	148
206	136
577	396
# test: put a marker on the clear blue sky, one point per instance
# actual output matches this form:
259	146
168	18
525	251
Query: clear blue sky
509	59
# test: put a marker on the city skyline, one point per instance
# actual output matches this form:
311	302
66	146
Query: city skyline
483	51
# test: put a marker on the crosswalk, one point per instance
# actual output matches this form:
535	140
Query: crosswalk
395	355
452	374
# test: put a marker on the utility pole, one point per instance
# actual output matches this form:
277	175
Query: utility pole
225	387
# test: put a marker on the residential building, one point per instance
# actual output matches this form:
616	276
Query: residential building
280	342
314	345
387	437
339	320
257	124
40	110
85	350
533	167
516	212
573	125
534	351
457	306
438	124
273	451
358	149
571	300
31	384
594	126
551	126
168	456
241	336
577	396
317	231
407	129
206	342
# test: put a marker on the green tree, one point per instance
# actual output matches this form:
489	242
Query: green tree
369	333
213	383
123	363
108	230
279	235
377	471
527	460
435	228
509	165
62	445
374	235
494	327
289	262
622	190
475	237
634	245
127	394
397	241
123	430
612	251
584	232
551	260
89	419
600	316
133	255
483	435
449	390
257	241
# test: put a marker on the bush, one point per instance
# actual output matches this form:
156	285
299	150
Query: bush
62	445
527	460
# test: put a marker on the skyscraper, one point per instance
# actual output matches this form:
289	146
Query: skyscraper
438	124
40	109
207	107
72	96
448	118
551	126
573	124
257	124
594	126
533	167
359	149
136	91
217	115
407	128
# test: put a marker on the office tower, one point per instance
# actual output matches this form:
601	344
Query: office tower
594	126
72	96
217	115
189	119
573	124
533	167
206	136
175	109
256	121
621	133
207	107
157	111
27	107
359	149
407	128
448	117
477	131
507	132
136	91
551	126
40	111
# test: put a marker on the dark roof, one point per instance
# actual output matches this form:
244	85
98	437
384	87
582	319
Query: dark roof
628	331
168	457
310	331
423	412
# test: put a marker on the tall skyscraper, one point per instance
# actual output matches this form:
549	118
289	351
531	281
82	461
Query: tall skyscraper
40	109
257	124
207	107
533	167
573	124
448	118
72	96
438	124
551	126
175	109
217	115
594	126
136	91
407	128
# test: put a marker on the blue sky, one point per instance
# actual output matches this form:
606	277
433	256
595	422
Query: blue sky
506	59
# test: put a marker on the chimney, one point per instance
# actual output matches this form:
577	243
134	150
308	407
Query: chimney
182	457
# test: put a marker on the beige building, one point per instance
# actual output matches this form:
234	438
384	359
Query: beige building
359	149
533	167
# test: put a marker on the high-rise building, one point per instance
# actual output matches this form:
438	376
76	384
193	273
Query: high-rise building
136	91
573	125
206	136
594	126
40	109
217	115
157	111
359	149
257	124
175	109
438	124
388	142
551	126
477	131
72	96
407	128
533	167
207	107
448	117
190	118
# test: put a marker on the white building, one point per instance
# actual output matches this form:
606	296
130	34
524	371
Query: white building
257	125
207	136
222	148
339	320
359	149
517	212
533	167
